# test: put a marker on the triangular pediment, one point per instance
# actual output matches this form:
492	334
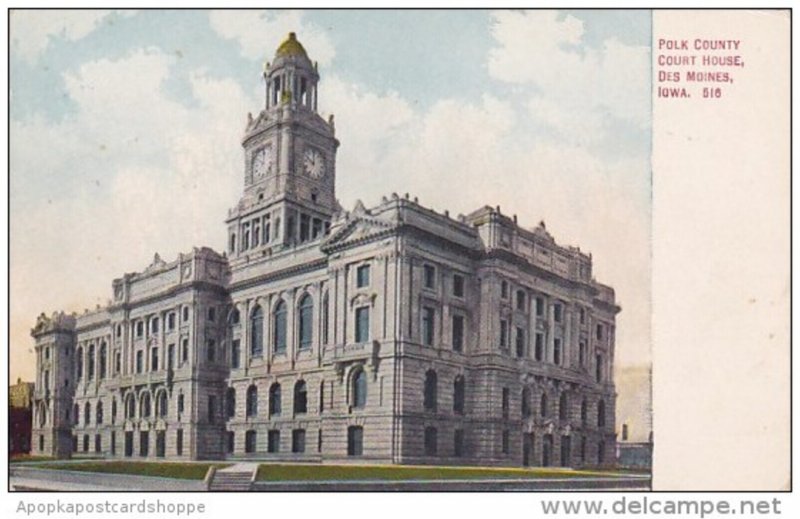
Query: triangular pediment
355	230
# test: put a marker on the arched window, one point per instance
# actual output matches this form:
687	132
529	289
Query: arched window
526	402
43	414
79	368
279	323
300	398
360	389
458	395
543	405
257	332
275	400
98	413
230	402
130	406
87	414
563	406
145	408
103	355
252	401
90	362
325	316
601	414
305	320
584	412
430	391
163	406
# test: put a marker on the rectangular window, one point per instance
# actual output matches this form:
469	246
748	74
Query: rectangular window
539	352
139	361
458	443
557	351
506	442
506	399
503	333
179	442
582	315
319	440
170	356
154	359
171	321
185	349
557	314
298	440
139	328
154	325
180	403
598	374
520	342
246	236
539	306
355	440
250	442
431	441
316	228
504	289
266	229
304	227
582	353
599	332
256	232
362	324
458	333
521	300
98	443
230	440
429	278
458	285
273	440
211	353
211	314
117	362
212	409
235	353
428	324
185	314
362	276
113	446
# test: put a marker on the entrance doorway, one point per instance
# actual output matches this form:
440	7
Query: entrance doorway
527	449
160	443
547	450
566	451
128	443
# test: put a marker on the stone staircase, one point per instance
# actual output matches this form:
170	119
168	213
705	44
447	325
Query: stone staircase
237	478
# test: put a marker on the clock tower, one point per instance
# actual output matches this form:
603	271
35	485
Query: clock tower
289	161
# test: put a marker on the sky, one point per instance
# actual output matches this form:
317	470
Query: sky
125	135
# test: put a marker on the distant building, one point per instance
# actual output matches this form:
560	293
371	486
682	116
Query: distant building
20	399
392	334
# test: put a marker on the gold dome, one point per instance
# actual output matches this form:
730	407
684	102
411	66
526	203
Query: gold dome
290	47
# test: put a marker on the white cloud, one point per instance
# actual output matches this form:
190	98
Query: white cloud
260	32
33	30
535	48
132	172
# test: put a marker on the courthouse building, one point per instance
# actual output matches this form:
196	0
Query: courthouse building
390	334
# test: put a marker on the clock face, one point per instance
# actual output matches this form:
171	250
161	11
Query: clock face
262	161
314	163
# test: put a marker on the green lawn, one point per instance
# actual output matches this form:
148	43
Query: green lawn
277	472
139	468
20	458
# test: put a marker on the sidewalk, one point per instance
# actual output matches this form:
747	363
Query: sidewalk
31	478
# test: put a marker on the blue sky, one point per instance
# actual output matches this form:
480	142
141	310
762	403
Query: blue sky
125	131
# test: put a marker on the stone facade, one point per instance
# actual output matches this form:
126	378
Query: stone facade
392	334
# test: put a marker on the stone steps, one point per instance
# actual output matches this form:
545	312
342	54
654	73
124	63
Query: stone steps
231	482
